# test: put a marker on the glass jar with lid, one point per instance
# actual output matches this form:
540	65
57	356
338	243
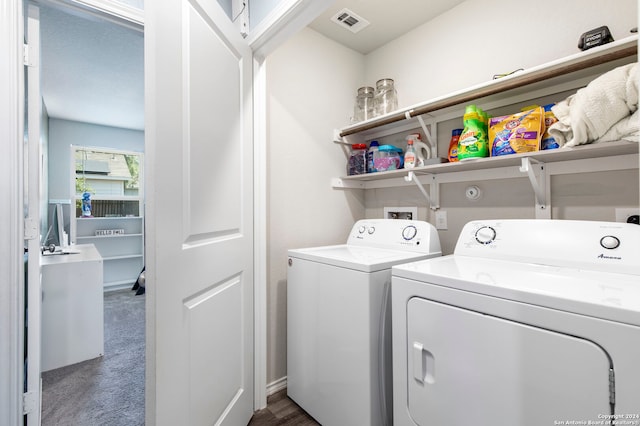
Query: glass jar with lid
385	97
364	104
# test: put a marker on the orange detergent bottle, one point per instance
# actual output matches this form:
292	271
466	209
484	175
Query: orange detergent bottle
453	145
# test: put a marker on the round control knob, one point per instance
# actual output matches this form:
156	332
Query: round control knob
371	230
610	242
485	235
409	232
361	229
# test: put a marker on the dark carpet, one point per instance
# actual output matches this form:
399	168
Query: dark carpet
108	390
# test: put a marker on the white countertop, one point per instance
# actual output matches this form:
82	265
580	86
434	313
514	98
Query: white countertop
73	253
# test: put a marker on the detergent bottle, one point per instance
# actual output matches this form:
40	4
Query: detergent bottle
453	144
548	141
473	140
373	148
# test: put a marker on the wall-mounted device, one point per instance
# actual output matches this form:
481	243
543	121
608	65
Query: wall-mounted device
596	37
472	192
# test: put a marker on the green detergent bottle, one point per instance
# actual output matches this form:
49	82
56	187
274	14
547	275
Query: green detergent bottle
473	141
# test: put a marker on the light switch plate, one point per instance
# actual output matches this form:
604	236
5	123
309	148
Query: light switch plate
441	219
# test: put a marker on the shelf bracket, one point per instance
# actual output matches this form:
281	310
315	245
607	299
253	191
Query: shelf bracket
538	183
338	183
339	139
429	135
433	199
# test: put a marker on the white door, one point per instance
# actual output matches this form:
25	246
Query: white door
199	216
33	296
466	365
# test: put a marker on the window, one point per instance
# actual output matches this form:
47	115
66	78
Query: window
108	183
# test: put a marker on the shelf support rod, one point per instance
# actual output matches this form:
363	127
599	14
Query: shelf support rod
411	177
537	183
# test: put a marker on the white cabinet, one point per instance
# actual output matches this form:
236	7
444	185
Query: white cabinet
72	307
561	76
121	246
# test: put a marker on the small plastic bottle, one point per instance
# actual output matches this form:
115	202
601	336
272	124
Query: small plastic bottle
86	204
357	164
410	154
373	147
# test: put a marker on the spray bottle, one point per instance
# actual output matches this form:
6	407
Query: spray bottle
410	160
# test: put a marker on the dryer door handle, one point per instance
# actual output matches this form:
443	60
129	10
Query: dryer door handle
424	364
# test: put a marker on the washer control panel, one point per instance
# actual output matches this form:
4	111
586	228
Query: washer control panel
399	234
608	246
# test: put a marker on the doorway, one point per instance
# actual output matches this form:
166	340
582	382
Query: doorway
93	96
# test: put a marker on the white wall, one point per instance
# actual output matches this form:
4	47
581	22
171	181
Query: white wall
312	81
473	41
64	133
309	82
443	56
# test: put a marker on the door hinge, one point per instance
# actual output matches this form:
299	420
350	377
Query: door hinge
30	229
612	387
29	401
25	55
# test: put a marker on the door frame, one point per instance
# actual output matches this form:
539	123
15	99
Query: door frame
11	190
287	18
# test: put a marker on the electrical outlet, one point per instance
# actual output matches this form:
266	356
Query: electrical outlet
441	219
409	213
622	215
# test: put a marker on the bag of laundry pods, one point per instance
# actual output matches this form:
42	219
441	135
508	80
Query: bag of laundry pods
517	133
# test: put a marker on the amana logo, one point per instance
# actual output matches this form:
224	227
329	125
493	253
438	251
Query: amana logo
602	256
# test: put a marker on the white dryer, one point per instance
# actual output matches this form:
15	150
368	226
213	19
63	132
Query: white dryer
528	323
338	320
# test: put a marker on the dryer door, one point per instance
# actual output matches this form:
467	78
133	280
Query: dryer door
469	368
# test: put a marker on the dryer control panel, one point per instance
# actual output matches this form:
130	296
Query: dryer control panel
400	234
603	246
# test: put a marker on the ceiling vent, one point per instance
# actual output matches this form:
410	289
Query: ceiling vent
349	20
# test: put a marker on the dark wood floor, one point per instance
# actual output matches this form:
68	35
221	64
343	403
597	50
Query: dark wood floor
281	411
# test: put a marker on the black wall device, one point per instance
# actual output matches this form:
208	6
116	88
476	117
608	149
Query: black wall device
594	38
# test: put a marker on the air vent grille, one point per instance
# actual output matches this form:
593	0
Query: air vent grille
350	21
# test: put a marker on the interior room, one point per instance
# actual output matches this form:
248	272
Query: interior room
237	195
93	97
463	45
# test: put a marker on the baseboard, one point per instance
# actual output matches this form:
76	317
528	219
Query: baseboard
276	385
117	286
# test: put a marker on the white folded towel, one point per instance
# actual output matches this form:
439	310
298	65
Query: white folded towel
627	129
592	111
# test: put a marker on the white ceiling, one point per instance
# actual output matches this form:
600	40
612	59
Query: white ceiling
92	70
388	20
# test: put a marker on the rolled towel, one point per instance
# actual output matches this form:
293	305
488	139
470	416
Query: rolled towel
588	114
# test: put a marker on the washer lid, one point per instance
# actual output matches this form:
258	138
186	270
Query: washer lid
365	259
604	295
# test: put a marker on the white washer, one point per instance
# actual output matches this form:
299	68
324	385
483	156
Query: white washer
338	314
528	323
